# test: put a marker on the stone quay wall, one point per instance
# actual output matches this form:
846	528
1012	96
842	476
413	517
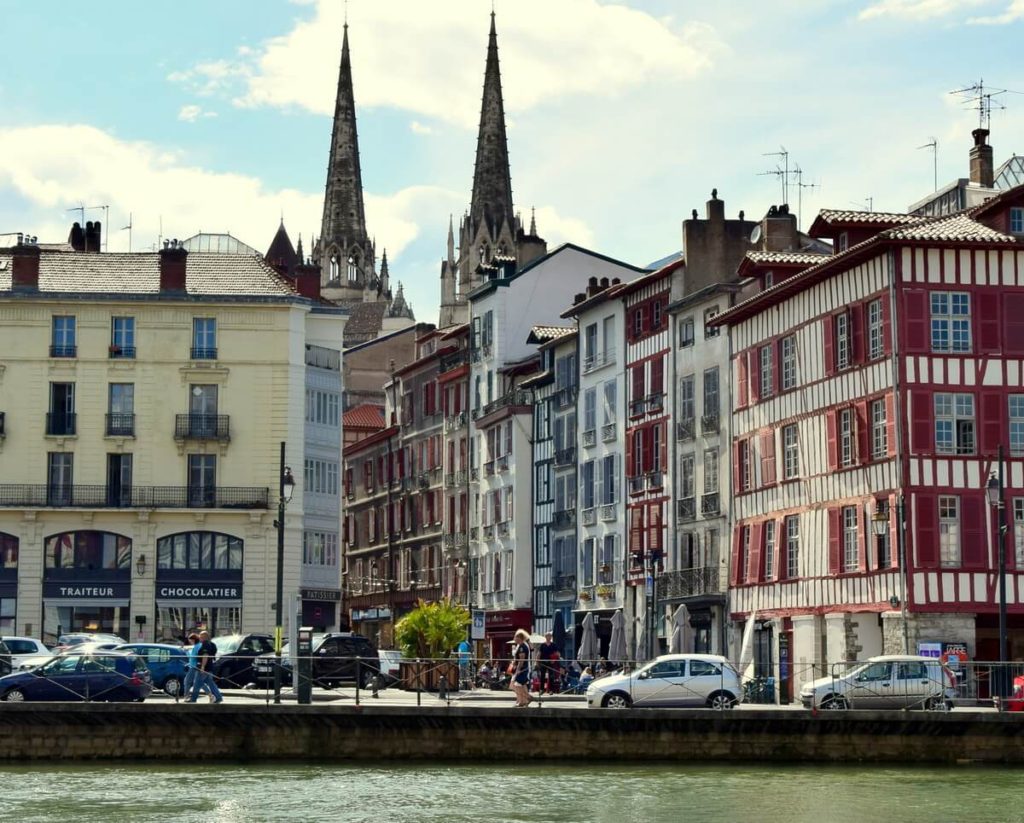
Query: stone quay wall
77	732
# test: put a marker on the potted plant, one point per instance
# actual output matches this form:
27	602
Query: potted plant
426	636
114	348
584	596
606	592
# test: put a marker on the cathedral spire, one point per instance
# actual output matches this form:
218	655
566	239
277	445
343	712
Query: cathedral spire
492	183
451	242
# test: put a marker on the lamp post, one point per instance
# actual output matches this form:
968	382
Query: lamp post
286	486
996	499
880	521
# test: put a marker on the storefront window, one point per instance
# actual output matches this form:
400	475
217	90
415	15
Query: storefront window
8	551
88	550
58	620
199	550
173	623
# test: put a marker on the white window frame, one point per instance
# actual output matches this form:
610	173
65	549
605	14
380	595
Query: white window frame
792	547
769	549
767	371
850	538
879	429
956	430
790	451
1016	415
711	471
949	532
876	342
847	438
787	360
842	335
950	327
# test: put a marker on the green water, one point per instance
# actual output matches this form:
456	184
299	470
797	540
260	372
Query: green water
562	792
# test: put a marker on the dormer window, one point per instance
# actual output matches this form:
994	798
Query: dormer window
842	242
1017	220
769	279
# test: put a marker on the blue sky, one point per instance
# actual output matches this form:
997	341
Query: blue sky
622	116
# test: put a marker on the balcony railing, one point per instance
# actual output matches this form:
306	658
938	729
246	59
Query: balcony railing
564	398
120	424
689	582
503	528
140	497
61	423
686	508
502	463
115	352
489	532
200	353
598	360
449	479
655	480
608	432
709	424
589	438
63	351
710	504
565	583
637	408
685	429
636	484
588	517
202	427
454	360
518	397
655	402
564	518
608	513
455	422
565	457
489	468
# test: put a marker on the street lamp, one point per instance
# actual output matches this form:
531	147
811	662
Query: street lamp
880	521
994	490
286	487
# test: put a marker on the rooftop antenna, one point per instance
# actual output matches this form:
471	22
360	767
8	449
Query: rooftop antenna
868	201
784	171
106	222
798	173
933	144
128	228
81	213
776	172
976	96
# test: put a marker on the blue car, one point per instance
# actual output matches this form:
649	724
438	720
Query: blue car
166	664
103	676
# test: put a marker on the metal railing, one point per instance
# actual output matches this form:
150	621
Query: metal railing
453	360
63	351
608	513
142	497
120	424
636	484
565	583
565	457
710	504
202	427
655	402
709	424
607	432
589	438
685	429
518	397
121	352
655	480
563	518
689	582
199	353
61	423
686	508
588	517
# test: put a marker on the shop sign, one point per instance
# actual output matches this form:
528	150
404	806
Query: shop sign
86	591
478	632
325	595
508	621
929	649
198	591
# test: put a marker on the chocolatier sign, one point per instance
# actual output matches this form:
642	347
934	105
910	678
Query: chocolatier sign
198	591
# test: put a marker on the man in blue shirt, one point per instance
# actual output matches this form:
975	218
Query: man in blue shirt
205	653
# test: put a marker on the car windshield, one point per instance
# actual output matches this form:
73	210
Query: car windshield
227	645
61	665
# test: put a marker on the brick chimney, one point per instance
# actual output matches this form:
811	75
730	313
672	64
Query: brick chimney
172	267
982	169
307	280
25	265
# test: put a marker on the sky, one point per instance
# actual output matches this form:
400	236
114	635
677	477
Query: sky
193	115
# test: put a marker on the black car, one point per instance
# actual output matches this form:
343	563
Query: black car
338	657
233	666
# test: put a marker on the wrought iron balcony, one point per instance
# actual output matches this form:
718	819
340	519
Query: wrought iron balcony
449	479
689	582
709	424
202	427
503	528
565	457
489	532
115	352
710	504
517	397
685	429
598	360
686	508
589	438
63	351
489	468
564	398
424	480
608	432
655	402
637	408
455	422
61	423
199	353
454	360
564	518
608	513
655	480
120	424
565	583
502	463
588	517
138	497
636	484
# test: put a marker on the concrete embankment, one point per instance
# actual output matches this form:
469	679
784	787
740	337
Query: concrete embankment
75	732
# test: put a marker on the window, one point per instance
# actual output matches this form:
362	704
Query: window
59	475
843	242
875	343
767	371
543	482
609	402
63	341
323	407
319	548
882	545
711	402
590	346
202	479
790	452
788	357
744	468
608	343
745	575
1018	531
61	418
122	337
711	471
199	550
769	549
951	321
121	409
587	561
851	555
610	480
88	550
638	322
1017	424
587	485
954	423
656	435
687	409
842	332
321	476
656	311
590	410
687	479
879	430
709	315
949	531
488	332
846	438
792	546
8	552
685	332
1016	221
542	421
204	338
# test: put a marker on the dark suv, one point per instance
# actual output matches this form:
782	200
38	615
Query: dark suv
235	655
338	657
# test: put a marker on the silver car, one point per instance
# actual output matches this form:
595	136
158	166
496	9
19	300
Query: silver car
672	680
892	681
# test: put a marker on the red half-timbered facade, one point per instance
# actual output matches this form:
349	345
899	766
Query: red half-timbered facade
874	390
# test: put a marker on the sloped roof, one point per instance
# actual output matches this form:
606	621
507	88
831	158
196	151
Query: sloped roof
864	218
785	258
365	321
281	251
139	273
950	228
542	334
364	416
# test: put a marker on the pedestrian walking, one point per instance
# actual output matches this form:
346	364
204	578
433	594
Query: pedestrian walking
190	668
204	661
520	669
547	652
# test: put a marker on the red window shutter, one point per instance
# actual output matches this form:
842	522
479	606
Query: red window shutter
754	369
986	313
835	562
922	435
636	529
857	354
915	302
654	542
886	326
756	543
828	343
658	375
646	442
741	380
863	432
629	455
638	382
973	545
993	409
768	458
1013	324
926	538
864	538
737	560
832	439
890	422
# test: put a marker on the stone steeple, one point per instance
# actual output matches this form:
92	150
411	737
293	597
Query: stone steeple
344	250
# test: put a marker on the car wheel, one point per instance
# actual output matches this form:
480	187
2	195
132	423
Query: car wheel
720	701
938	704
617	700
15	696
835	703
172	686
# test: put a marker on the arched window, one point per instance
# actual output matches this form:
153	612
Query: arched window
334	274
199	550
8	551
88	550
353	267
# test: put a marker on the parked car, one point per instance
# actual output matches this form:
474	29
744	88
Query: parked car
233	666
338	657
390	666
111	676
25	650
68	641
888	682
5	659
672	680
166	664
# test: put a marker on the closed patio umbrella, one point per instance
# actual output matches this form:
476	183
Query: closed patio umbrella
617	645
680	631
558	633
588	641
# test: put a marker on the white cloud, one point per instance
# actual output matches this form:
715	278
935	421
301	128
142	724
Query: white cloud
191	112
916	9
416	127
584	47
1012	13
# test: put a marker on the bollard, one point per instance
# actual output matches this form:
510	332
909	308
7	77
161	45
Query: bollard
375	685
419	682
442	688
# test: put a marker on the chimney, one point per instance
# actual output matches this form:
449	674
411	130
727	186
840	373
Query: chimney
715	207
982	171
172	267
92	237
25	268
76	239
307	280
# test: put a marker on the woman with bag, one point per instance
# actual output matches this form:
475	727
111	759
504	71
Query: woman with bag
520	669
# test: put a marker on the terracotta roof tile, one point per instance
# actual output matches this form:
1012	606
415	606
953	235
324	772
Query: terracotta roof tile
951	228
800	258
866	218
365	416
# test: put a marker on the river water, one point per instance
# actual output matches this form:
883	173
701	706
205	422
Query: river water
563	792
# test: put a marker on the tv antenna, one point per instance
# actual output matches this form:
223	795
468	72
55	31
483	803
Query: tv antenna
868	201
128	228
977	96
798	173
81	208
783	172
933	144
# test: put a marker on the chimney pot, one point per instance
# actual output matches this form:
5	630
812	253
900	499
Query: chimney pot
604	282
25	266
173	266
307	280
982	166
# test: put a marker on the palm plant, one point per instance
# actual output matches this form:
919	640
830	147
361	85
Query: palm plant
432	630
